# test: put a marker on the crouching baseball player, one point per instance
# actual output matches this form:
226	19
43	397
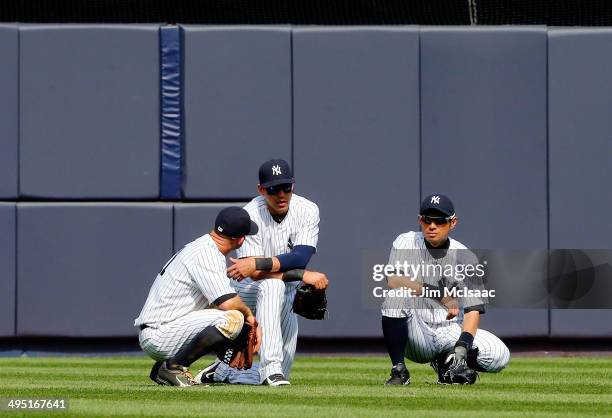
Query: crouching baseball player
435	328
192	309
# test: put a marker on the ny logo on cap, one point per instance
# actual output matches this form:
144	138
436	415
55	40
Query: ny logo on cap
219	229
276	170
435	200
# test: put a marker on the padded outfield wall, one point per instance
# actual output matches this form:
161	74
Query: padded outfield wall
120	143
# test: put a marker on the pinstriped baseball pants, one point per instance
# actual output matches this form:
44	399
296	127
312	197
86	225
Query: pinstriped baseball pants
426	341
164	342
271	300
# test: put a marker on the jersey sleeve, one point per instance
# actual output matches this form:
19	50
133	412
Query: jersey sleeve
402	251
308	234
209	273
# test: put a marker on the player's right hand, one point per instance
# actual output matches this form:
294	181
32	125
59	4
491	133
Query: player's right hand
241	268
316	279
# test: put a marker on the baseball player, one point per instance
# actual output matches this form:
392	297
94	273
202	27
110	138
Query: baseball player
441	329
192	308
269	267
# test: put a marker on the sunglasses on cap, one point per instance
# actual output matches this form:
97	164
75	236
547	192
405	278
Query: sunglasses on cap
438	220
286	187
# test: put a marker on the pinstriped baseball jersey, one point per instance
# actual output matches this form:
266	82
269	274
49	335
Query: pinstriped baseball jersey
193	279
299	227
429	332
411	247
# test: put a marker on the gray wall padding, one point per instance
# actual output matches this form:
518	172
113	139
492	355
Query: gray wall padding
580	73
483	103
89	123
237	107
372	118
7	275
356	152
9	65
192	220
85	269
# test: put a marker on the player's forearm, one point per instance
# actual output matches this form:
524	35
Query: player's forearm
261	275
237	304
298	258
471	320
396	282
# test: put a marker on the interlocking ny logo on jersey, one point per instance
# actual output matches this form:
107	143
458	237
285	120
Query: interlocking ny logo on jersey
435	200
290	244
276	170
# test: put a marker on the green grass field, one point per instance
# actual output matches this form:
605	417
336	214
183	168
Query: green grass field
321	387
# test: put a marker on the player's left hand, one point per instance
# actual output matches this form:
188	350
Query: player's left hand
258	333
242	268
452	306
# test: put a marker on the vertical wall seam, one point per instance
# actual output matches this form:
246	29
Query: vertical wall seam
420	118
547	73
292	99
16	238
16	271
18	112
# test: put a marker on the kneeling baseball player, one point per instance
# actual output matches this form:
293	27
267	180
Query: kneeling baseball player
270	267
192	309
438	329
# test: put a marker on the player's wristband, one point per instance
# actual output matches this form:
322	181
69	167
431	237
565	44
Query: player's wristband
295	275
263	264
465	340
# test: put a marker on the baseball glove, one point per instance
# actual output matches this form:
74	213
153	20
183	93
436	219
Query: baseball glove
310	302
459	374
240	354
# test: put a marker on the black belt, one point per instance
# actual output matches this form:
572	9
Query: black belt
143	326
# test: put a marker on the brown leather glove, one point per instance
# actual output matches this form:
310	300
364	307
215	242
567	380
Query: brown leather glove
243	348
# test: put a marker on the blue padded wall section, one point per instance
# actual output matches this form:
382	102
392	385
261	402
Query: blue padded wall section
84	270
483	104
7	274
237	107
192	220
580	104
171	176
9	67
89	123
356	133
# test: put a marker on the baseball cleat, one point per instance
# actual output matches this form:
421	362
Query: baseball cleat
178	376
276	380
207	374
399	375
155	370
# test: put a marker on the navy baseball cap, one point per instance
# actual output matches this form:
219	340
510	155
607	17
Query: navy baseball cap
235	222
275	172
437	202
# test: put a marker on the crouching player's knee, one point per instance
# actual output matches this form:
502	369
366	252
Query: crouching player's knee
499	359
231	324
272	287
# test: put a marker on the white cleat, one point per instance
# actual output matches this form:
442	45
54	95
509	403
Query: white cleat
206	376
276	380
